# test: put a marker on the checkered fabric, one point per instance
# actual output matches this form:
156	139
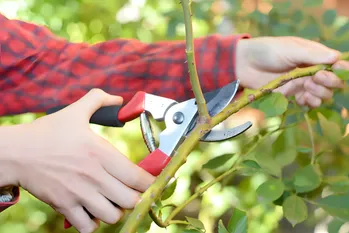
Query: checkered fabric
39	70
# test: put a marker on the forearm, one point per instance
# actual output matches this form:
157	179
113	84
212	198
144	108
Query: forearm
54	72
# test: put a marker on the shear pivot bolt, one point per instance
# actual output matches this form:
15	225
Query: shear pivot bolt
178	118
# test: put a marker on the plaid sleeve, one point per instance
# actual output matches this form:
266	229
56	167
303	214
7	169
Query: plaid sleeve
39	70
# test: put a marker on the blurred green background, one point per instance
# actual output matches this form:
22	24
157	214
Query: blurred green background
149	21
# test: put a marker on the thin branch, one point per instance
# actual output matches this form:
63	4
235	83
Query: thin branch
214	181
180	156
194	79
158	221
311	136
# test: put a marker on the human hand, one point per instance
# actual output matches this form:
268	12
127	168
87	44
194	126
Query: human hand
65	164
260	60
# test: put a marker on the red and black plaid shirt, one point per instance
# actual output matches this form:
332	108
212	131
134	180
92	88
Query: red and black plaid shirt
39	70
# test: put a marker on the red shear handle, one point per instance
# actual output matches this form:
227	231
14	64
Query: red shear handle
155	162
115	115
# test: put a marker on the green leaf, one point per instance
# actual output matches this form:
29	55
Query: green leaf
304	150
264	157
338	184
273	104
330	130
342	74
313	3
341	99
221	227
297	17
271	189
195	222
169	190
329	17
251	164
307	179
336	205
238	222
284	147
295	210
259	17
191	231
282	7
335	225
343	30
311	31
218	161
171	28
282	29
249	168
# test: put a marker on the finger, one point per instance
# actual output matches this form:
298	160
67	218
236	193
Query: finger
300	98
328	79
129	173
292	87
311	100
119	193
308	52
78	218
317	90
101	208
95	99
341	65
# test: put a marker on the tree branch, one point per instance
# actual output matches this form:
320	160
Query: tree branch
180	156
194	79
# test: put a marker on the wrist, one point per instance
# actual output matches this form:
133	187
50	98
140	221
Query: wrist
242	55
11	137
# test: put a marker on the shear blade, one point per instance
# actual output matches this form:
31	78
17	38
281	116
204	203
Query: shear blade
221	135
218	99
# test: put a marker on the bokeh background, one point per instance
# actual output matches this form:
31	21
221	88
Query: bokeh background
149	21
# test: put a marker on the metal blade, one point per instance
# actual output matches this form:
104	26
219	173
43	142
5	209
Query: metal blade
221	135
218	99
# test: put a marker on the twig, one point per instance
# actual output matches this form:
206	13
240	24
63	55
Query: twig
155	190
311	136
194	79
207	186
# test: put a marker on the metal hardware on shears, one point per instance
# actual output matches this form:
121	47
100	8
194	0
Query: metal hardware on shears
180	119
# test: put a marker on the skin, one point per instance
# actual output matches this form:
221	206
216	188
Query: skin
84	170
266	58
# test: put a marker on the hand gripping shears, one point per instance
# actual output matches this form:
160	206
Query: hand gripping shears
180	119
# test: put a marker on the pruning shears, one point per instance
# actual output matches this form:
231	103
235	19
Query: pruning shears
180	119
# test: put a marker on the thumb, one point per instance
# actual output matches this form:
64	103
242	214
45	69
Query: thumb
307	52
95	99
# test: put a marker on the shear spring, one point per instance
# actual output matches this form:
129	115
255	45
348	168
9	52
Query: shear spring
6	194
147	132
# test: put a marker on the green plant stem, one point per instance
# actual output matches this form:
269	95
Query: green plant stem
155	190
311	136
211	183
194	78
198	193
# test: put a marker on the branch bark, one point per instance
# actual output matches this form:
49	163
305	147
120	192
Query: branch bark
194	78
180	156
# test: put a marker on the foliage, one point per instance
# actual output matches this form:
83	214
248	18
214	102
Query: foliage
294	167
